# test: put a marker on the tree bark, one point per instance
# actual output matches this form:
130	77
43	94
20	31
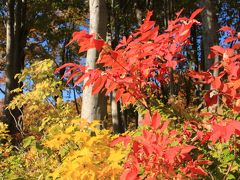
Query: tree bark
117	120
209	37
139	15
94	106
113	38
209	30
16	35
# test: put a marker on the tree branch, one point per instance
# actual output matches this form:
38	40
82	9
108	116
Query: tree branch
2	91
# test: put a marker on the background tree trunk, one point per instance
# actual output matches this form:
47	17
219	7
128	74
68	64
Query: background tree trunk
209	30
117	120
209	37
16	35
94	106
113	38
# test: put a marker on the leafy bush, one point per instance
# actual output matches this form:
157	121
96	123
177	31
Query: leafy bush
58	144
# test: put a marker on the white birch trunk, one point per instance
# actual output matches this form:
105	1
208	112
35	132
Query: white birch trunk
94	106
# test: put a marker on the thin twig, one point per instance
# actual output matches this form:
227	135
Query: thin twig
16	122
2	91
234	158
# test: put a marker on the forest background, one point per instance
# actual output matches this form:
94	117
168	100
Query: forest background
41	111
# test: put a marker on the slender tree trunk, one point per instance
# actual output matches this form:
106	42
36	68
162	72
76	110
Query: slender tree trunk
209	36
113	37
117	120
67	53
139	6
16	35
209	30
139	13
195	48
94	106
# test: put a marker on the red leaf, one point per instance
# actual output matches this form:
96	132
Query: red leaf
66	65
198	170
199	136
80	79
150	35
227	28
156	120
230	39
206	77
112	86
125	139
68	71
221	132
147	119
216	84
87	83
148	148
195	13
164	126
146	26
126	98
135	146
218	49
171	154
187	149
204	162
98	44
216	134
237	45
119	94
73	75
171	64
149	15
210	100
98	84
129	174
179	13
78	36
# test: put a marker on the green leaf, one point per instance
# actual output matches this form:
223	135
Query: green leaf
230	176
28	141
63	151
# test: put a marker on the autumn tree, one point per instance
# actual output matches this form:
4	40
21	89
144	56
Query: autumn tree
94	106
27	39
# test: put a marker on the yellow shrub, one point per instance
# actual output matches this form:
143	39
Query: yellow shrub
85	152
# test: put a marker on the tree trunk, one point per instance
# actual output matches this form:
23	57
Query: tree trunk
209	37
16	35
139	6
117	120
139	13
113	38
94	106
209	30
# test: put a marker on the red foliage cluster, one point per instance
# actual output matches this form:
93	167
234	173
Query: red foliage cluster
139	59
218	130
160	153
227	83
224	86
136	68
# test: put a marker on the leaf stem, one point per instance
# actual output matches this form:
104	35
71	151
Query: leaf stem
234	158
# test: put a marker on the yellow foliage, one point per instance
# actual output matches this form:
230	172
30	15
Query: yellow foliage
92	157
3	131
59	145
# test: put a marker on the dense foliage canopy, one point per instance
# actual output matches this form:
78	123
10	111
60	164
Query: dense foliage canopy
171	113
